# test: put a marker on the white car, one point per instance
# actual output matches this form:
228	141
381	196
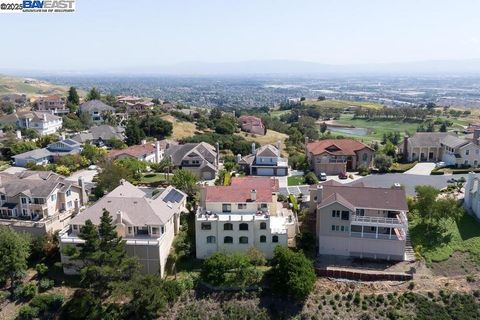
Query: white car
92	167
323	176
440	164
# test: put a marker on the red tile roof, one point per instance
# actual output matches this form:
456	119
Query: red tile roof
133	151
240	190
346	147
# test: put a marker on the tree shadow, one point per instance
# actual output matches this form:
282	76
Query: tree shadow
468	227
430	236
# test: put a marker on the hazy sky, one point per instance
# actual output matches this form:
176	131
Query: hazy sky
107	33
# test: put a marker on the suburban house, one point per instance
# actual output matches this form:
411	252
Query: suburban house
39	202
358	221
442	146
100	135
423	146
147	224
18	100
243	215
144	152
265	161
52	104
128	100
43	122
141	106
252	124
96	109
334	156
49	154
471	201
200	158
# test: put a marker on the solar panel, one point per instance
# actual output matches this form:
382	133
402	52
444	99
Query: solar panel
173	196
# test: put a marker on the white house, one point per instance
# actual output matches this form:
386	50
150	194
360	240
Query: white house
43	122
240	216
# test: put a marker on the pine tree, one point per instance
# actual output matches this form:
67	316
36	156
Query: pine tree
14	252
94	94
73	97
134	133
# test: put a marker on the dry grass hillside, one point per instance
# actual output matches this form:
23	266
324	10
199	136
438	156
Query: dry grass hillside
29	87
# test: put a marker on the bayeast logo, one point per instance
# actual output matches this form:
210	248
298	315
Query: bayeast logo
49	6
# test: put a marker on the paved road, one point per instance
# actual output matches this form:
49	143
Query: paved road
409	181
422	168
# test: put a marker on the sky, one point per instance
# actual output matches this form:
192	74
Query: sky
114	34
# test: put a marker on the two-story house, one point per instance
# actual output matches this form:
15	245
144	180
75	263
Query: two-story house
359	221
243	215
252	125
100	135
334	156
43	122
52	104
461	152
147	224
471	201
96	109
147	152
265	161
39	202
202	158
49	154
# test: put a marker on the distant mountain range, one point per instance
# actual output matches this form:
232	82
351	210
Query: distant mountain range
279	67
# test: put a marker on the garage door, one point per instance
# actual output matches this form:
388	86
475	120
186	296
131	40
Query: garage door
265	172
281	172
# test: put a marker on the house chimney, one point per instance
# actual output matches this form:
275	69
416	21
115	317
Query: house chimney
62	137
405	148
279	147
158	157
144	141
239	157
253	195
253	147
476	135
119	217
319	194
83	193
19	134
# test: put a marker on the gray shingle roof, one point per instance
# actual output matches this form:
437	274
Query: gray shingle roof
137	209
453	142
104	132
179	152
423	139
95	105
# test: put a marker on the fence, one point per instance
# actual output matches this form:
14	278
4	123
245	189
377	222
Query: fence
359	275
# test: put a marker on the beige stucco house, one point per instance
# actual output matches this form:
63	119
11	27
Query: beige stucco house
359	221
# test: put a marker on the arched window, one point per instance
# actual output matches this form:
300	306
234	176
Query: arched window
227	226
263	225
243	239
243	226
211	239
263	239
275	239
228	240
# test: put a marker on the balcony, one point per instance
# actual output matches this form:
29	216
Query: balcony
398	234
400	221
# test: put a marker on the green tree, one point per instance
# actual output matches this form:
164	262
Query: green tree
433	209
311	178
186	181
382	162
134	166
155	126
109	177
93	153
14	252
73	97
389	149
292	274
85	119
93	94
134	133
225	125
116	143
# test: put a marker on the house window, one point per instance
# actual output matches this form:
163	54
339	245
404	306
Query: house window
226	207
263	239
206	226
243	227
211	239
360	212
333	227
263	226
242	206
335	213
24	212
68	193
163	229
345	215
467	152
243	240
365	157
154	230
227	226
466	162
130	230
275	239
75	227
346	228
53	197
38	200
24	200
337	228
69	204
342	228
227	240
2	197
262	206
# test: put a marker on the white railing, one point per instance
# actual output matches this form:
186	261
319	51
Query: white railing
400	235
378	220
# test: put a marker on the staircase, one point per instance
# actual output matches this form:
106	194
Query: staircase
409	253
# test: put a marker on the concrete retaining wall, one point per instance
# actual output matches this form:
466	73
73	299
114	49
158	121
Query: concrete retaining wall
359	275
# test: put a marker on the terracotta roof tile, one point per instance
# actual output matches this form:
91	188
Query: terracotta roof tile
240	190
337	146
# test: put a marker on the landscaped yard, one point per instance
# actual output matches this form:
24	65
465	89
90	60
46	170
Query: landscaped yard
462	236
149	178
296	180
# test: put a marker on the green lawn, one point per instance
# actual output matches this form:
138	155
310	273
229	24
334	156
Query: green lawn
296	180
438	245
4	165
342	104
152	178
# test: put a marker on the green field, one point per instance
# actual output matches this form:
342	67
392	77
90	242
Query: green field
296	180
462	236
342	104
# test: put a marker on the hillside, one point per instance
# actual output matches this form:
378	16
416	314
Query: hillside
341	104
29	87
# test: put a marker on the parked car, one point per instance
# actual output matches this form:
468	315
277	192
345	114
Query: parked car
342	175
322	176
440	164
92	167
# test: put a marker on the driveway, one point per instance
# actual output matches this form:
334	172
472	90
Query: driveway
86	174
422	168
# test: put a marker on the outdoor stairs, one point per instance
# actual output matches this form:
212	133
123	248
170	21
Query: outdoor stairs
409	253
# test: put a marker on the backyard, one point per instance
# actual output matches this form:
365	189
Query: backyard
296	180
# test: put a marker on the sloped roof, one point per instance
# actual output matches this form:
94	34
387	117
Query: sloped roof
240	190
453	141
423	139
179	152
34	116
136	208
267	150
95	105
104	132
346	147
134	151
365	197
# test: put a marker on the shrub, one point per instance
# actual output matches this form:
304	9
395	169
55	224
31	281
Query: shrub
311	178
27	312
411	285
28	291
45	284
4	295
292	273
363	170
257	258
41	269
47	302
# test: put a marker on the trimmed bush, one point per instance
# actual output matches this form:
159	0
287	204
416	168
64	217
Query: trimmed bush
47	302
45	284
27	312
